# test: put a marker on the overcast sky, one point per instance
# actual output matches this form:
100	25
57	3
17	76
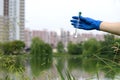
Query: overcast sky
56	14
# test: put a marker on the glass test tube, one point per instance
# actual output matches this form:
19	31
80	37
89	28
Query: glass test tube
75	34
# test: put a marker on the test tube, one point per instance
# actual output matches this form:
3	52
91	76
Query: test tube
75	34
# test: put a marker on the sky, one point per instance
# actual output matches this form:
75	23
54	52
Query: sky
56	14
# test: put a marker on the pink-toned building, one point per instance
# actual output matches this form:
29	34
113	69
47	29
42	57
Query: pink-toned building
52	38
44	35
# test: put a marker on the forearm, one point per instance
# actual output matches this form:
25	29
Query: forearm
110	27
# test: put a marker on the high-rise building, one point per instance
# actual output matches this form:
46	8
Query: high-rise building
13	13
3	22
16	19
4	33
1	7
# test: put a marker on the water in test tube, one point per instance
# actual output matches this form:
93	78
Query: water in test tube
75	34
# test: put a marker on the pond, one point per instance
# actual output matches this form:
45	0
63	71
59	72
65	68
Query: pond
58	67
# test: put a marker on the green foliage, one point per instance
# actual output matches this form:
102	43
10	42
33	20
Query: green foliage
37	47
74	49
12	64
60	47
107	50
74	63
7	48
66	75
116	46
41	56
90	65
12	67
18	46
14	47
90	47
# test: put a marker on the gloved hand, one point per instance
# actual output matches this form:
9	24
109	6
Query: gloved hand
85	23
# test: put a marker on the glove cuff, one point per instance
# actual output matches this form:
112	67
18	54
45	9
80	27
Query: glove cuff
98	24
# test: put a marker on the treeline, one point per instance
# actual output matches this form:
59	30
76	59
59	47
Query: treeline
108	48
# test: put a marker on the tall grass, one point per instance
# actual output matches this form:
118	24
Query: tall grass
66	76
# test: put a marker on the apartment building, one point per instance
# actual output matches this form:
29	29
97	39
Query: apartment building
3	22
12	14
49	37
52	38
4	36
16	19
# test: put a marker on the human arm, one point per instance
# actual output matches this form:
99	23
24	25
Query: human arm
111	27
90	24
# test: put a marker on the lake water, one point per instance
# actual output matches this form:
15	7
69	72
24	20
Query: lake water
59	68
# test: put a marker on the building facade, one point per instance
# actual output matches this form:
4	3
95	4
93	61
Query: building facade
16	19
13	16
1	7
4	33
28	37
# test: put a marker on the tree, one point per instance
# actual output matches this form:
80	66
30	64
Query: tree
74	49
106	46
41	56
7	48
60	47
17	46
90	47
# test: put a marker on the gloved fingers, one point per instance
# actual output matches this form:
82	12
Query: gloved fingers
74	21
81	17
73	24
75	17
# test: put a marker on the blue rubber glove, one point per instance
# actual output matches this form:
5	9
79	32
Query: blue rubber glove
85	23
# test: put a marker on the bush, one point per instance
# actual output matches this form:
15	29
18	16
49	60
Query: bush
74	49
14	47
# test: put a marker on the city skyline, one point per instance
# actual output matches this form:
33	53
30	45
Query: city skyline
53	38
56	14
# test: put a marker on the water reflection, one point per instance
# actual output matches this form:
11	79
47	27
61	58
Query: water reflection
40	63
59	68
92	67
100	67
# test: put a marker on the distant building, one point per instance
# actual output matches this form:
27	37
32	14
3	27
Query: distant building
65	37
16	19
28	37
44	35
1	7
12	13
49	37
3	29
52	38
